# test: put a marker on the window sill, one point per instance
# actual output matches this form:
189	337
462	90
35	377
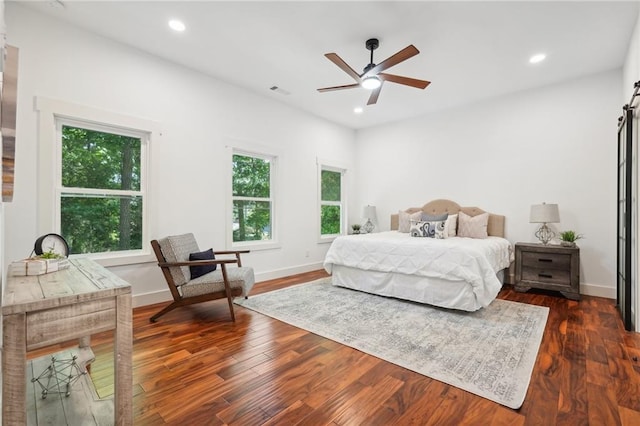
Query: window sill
328	239
119	258
256	246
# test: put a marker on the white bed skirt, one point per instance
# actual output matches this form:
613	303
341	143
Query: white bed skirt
433	291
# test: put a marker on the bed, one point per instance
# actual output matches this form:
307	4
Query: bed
456	272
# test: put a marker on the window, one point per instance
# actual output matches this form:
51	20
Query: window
92	177
252	197
100	196
332	211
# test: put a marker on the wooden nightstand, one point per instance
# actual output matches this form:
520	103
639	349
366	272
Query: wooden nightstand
548	267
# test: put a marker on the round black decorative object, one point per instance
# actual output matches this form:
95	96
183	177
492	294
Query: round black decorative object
54	243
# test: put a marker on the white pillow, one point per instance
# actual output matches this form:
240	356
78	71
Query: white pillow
473	227
404	220
450	225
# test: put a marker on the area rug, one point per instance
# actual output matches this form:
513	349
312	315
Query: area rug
490	352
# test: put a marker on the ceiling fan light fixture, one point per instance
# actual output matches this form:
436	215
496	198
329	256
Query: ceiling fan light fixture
537	58
371	82
177	25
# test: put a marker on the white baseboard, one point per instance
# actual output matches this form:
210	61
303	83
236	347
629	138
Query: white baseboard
598	291
151	298
285	272
165	295
160	296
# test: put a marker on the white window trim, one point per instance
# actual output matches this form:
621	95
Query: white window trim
242	148
50	112
332	166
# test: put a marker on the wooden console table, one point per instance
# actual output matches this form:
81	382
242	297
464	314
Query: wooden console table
52	308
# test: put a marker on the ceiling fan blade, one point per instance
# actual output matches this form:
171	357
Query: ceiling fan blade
407	81
343	66
331	89
374	95
392	60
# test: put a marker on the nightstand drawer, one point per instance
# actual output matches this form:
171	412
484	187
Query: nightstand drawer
546	260
552	276
548	267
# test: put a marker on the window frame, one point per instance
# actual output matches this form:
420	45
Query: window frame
60	189
53	115
273	158
332	166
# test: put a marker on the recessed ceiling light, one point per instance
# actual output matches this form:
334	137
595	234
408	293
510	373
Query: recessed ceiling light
358	110
177	25
539	57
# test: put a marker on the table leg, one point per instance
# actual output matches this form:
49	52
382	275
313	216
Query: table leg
14	366
123	381
84	342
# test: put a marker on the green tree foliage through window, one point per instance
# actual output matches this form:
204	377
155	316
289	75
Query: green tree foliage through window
252	205
101	204
330	203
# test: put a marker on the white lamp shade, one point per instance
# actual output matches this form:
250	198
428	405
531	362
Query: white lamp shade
369	212
544	213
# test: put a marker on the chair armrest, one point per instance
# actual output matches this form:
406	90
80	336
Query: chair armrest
232	251
197	262
236	252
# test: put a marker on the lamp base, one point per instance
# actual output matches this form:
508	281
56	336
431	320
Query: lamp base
545	234
368	227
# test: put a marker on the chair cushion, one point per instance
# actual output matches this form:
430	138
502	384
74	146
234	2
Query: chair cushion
177	249
200	270
213	281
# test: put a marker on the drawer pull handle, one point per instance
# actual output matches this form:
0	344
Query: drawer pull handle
545	275
545	260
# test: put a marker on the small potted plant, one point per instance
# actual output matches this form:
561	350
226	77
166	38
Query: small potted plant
356	228
569	238
49	255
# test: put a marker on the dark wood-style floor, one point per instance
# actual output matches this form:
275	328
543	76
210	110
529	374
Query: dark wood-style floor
194	366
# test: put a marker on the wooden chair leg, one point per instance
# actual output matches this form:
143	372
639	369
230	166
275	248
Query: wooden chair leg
171	307
233	315
227	288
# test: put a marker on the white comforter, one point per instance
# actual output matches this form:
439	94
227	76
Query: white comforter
474	261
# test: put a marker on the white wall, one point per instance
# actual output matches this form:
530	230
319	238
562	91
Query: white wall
554	145
631	69
198	116
630	75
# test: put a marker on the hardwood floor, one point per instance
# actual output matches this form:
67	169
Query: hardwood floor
194	366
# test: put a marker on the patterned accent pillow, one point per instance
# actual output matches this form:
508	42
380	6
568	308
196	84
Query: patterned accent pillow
473	226
404	220
429	229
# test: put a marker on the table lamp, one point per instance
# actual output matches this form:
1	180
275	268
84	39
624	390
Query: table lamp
544	213
369	212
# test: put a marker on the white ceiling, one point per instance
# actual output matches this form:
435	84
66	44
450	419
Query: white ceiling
468	50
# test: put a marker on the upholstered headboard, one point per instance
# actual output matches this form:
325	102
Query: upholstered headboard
496	222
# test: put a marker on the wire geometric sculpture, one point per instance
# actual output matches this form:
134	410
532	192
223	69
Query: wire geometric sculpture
56	376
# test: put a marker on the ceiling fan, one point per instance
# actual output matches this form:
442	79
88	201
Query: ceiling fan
372	76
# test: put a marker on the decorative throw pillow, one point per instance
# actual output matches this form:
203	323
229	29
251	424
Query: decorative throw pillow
200	270
404	220
473	226
429	229
451	225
